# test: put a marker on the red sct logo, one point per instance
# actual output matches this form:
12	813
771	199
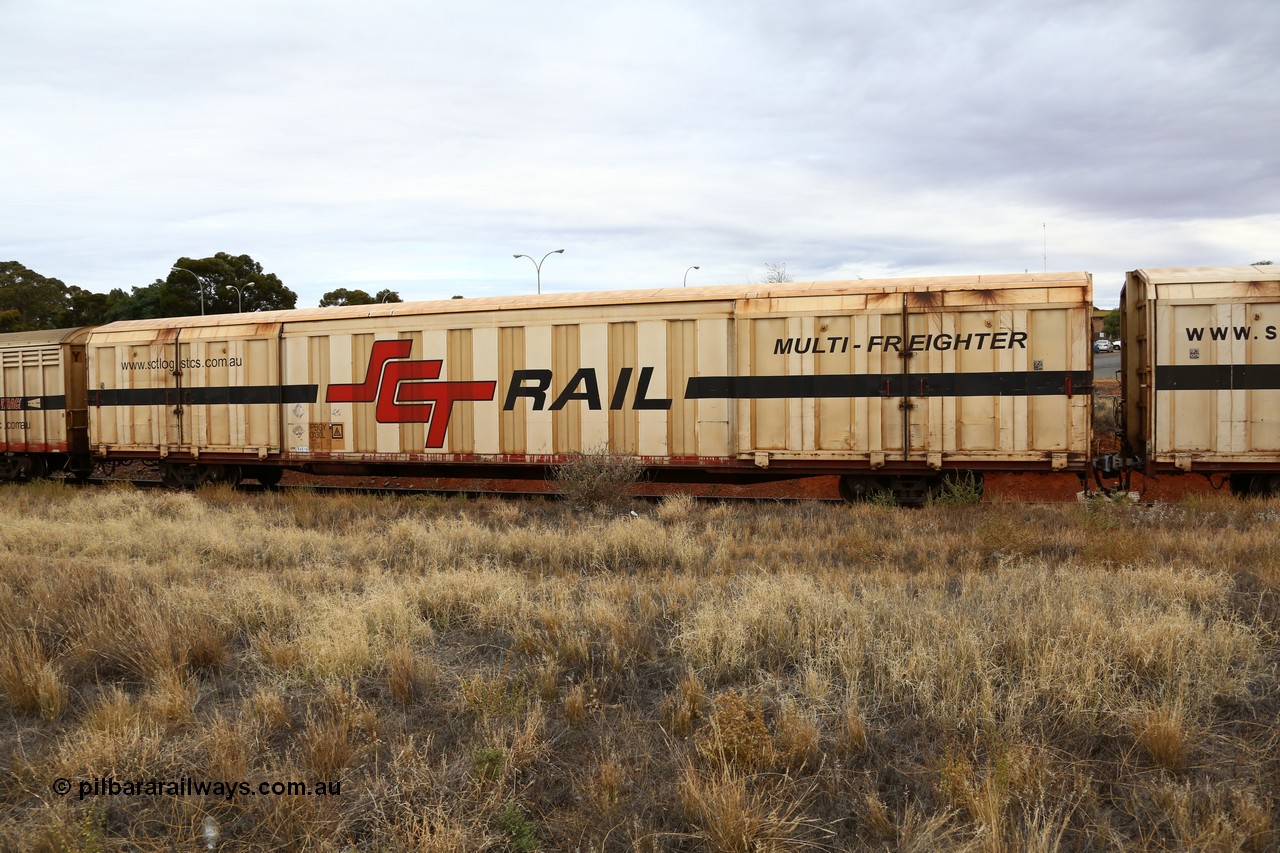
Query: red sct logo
403	394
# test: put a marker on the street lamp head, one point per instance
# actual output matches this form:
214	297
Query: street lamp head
199	281
537	265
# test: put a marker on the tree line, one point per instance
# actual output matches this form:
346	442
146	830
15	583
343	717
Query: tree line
222	284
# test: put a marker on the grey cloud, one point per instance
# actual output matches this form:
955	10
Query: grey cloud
901	136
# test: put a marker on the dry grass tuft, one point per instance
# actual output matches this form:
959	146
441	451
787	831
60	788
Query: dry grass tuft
270	710
32	683
1162	734
851	733
682	707
410	676
876	817
575	704
605	787
735	814
796	740
327	745
736	736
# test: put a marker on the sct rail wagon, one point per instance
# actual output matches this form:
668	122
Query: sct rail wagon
894	386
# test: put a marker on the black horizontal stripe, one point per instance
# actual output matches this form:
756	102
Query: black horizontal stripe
52	402
221	395
1012	383
1217	377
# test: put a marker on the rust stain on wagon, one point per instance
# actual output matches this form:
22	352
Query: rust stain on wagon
926	299
1262	288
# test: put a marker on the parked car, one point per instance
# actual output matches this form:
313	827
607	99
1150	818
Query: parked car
1115	345
1102	345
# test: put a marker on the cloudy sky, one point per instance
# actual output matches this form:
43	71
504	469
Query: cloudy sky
419	144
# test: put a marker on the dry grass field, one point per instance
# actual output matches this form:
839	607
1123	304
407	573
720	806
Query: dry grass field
700	676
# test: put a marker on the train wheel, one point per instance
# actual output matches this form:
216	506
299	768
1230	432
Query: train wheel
180	475
914	491
267	475
37	467
23	468
855	489
1255	485
80	467
1265	485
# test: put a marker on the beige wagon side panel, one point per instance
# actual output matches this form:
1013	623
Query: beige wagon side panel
129	373
593	353
897	375
460	366
562	381
716	344
34	371
513	422
229	389
166	389
487	414
1259	427
1205	390
623	422
1191	420
682	362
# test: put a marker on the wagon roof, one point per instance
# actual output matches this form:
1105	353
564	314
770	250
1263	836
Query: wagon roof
1194	275
44	336
617	297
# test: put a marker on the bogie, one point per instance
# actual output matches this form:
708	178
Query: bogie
267	475
191	475
17	467
1262	485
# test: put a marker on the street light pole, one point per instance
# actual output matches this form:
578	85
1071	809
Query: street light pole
537	265
239	300
199	281
686	276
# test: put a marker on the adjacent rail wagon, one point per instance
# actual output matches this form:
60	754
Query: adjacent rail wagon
893	384
42	398
1201	373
